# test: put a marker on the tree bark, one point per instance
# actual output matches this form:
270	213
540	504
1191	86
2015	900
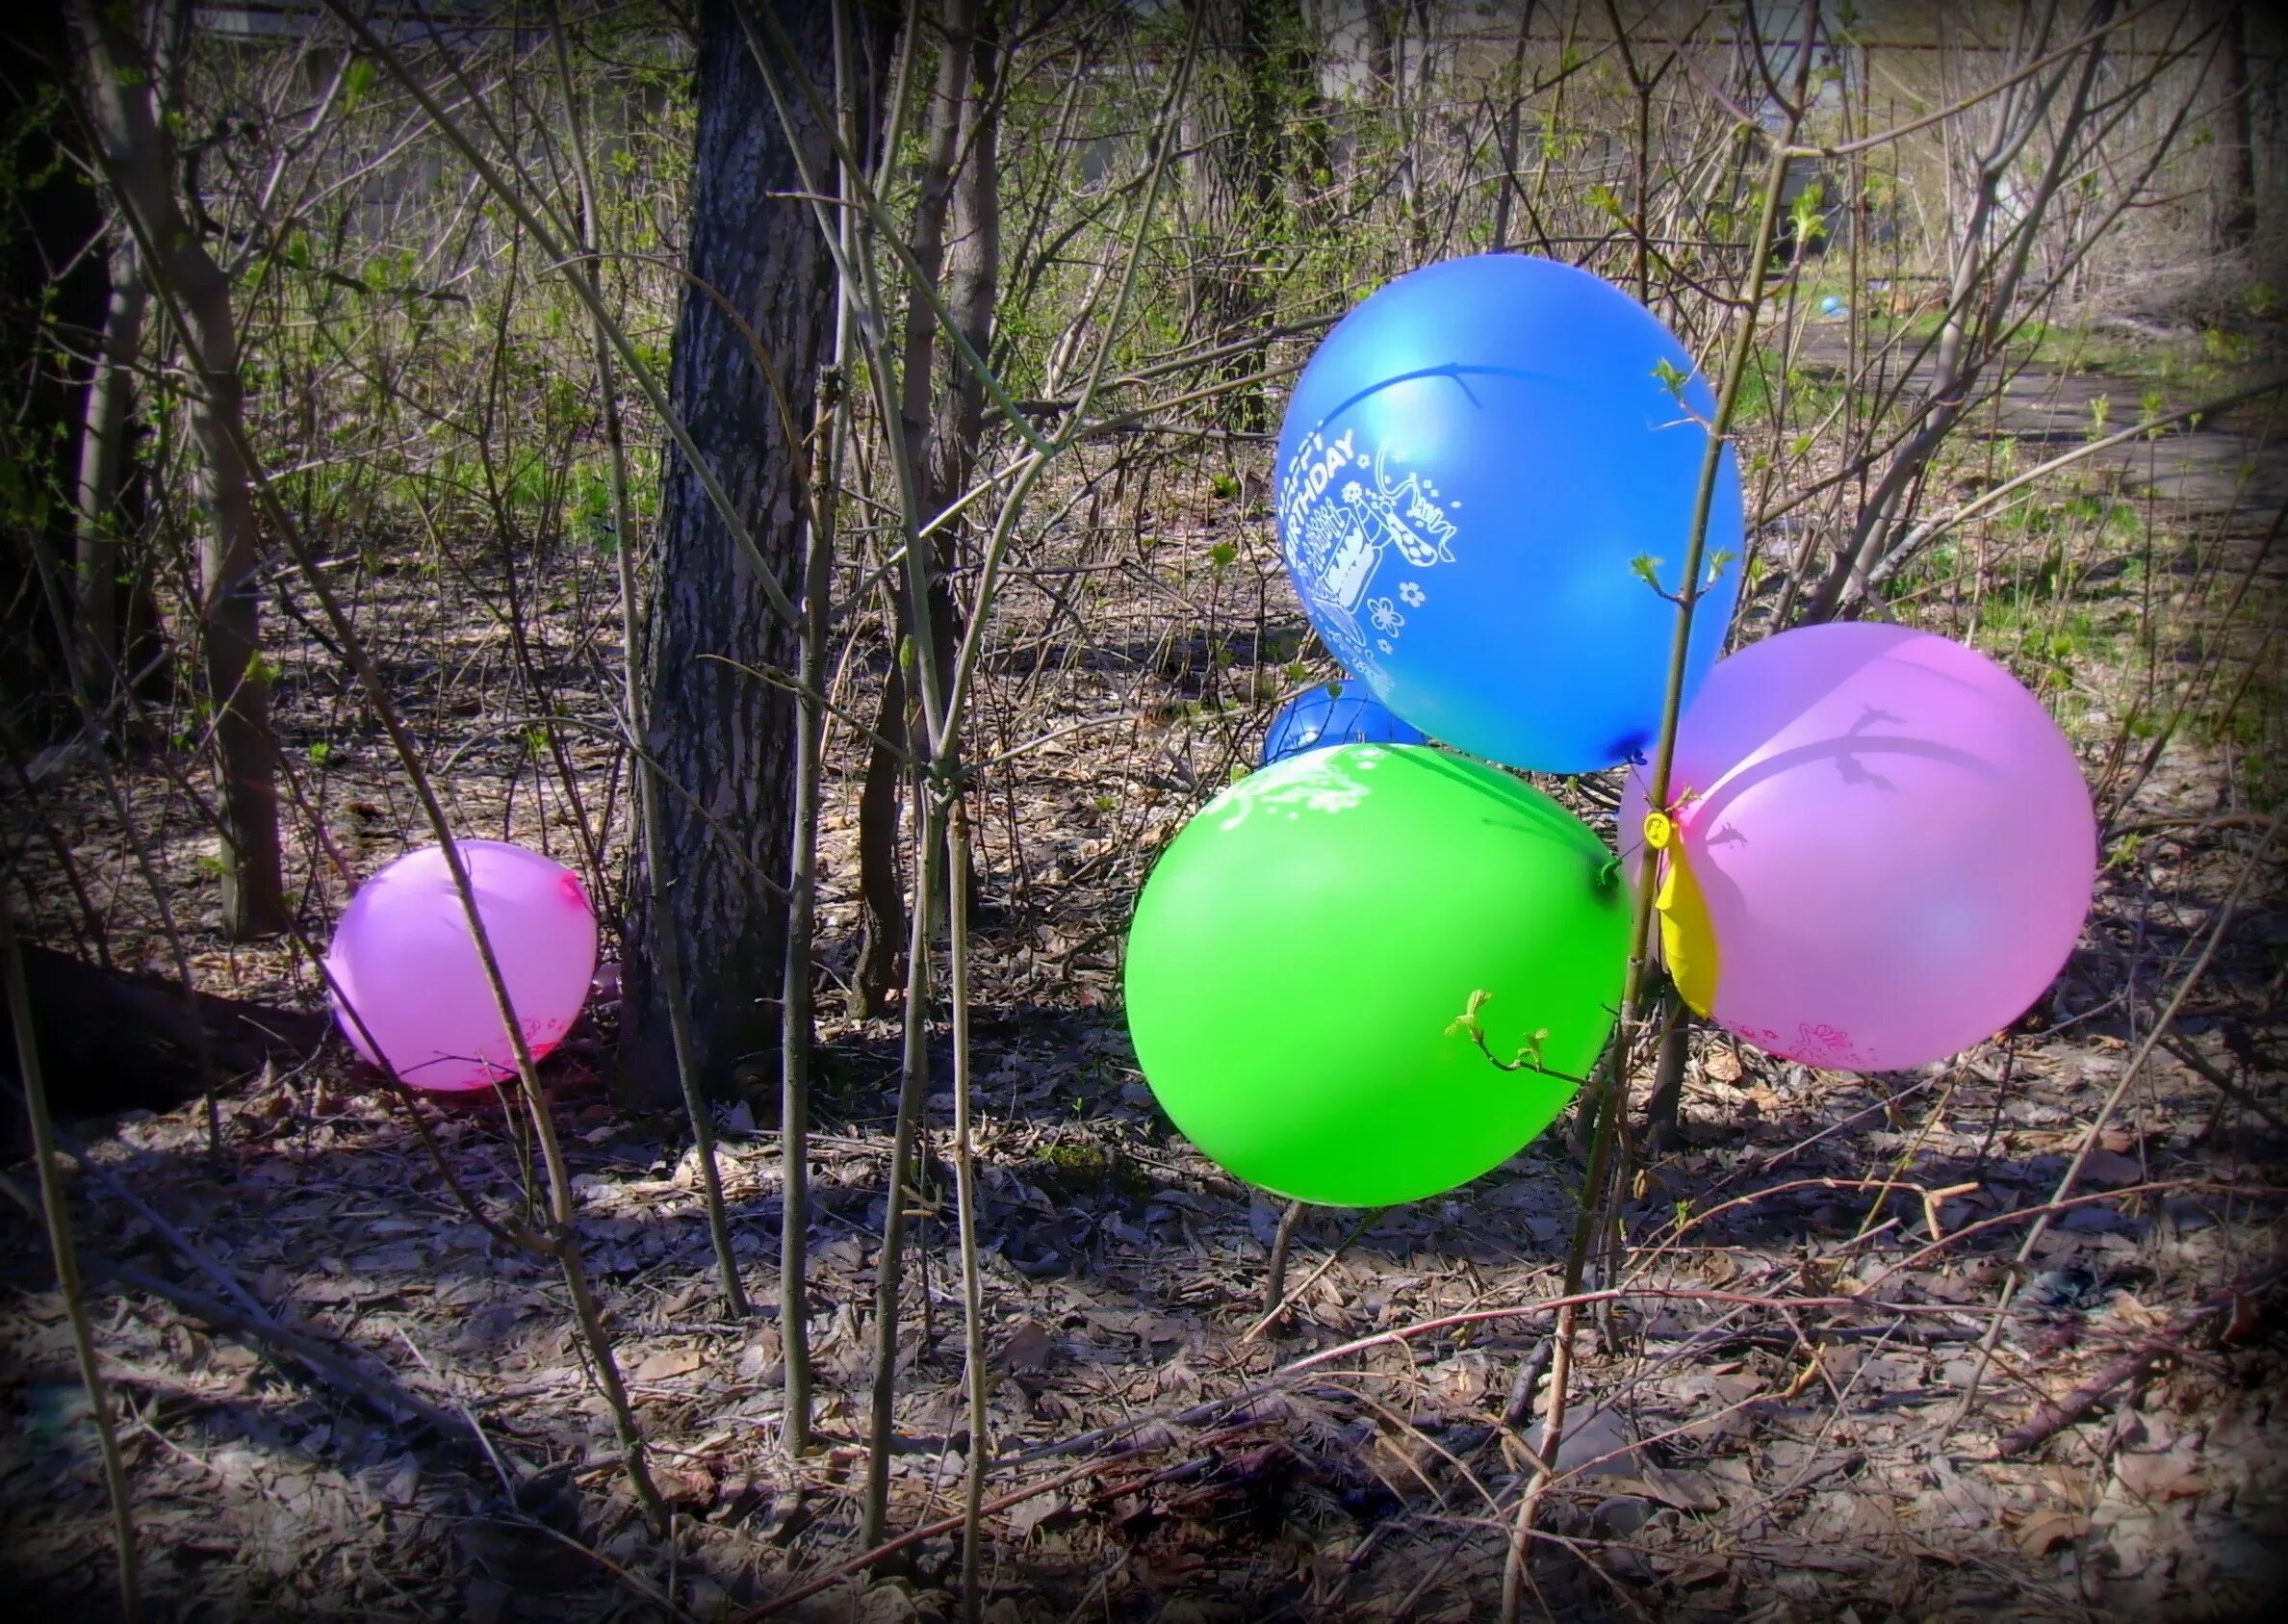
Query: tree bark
138	159
724	737
960	180
1982	278
1237	135
51	288
2236	194
113	1040
972	270
105	466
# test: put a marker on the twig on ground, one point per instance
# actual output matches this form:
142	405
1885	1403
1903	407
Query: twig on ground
2055	1415
1275	1271
185	1248
306	1350
2130	1071
888	1548
52	1211
2194	1060
1278	1301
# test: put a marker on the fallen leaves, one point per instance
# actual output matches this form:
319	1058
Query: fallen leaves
664	1364
1596	1443
1118	1286
1029	1350
687	1487
2110	1169
2046	1530
2175	1474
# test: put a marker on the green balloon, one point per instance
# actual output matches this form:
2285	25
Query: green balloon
1300	953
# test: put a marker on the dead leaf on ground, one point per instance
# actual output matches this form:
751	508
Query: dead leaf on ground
1685	1489
2109	1170
1682	1571
692	1487
667	1363
1597	1445
2046	1530
2173	1475
1030	1349
1029	1514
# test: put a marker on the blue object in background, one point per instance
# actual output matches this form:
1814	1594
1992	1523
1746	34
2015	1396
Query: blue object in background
1334	713
1831	305
1469	469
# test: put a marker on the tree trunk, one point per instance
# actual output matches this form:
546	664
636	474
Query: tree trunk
972	272
1311	132
1236	134
881	886
1515	89
1981	279
2236	191
237	684
105	463
113	1040
960	179
724	739
139	160
51	308
1381	75
1663	1113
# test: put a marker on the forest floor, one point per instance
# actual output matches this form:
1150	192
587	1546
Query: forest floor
1807	1400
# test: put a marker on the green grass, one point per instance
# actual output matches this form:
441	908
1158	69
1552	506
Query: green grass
2218	359
1073	1167
1808	397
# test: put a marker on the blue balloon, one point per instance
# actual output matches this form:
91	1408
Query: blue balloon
1334	713
1471	468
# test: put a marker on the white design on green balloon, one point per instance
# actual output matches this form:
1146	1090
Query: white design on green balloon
1316	783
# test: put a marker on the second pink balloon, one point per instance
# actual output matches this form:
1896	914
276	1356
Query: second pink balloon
1890	846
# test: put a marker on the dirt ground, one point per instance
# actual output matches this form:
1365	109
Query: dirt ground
1809	1398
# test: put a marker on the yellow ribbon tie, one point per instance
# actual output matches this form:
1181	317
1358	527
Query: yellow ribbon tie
1688	937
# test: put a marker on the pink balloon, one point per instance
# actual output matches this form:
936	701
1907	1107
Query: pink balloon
1891	839
403	958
